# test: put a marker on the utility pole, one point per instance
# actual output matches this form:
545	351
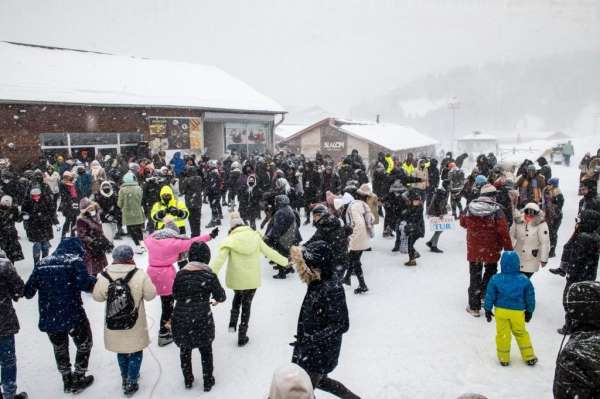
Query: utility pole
453	105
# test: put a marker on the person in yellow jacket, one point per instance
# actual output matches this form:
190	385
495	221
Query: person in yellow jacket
513	296
409	164
169	206
243	247
390	163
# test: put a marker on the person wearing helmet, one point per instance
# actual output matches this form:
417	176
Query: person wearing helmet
171	207
531	239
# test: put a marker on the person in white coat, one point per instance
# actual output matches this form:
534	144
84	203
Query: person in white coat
531	239
360	219
129	344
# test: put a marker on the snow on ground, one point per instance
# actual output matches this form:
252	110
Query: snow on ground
409	337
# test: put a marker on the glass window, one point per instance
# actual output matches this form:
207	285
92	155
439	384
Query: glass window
52	153
131	138
93	138
54	139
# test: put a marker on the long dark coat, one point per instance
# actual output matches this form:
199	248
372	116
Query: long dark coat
11	289
9	238
88	231
41	215
322	322
192	324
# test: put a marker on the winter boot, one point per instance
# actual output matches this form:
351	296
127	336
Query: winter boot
411	262
81	382
233	321
362	286
436	250
219	222
563	330
165	338
188	381
281	274
417	254
558	271
22	395
428	243
123	383
211	224
552	253
242	336
532	362
504	364
396	248
289	270
473	312
209	382
131	388
67	382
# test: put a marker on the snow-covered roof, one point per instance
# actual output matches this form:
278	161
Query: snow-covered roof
286	130
477	136
49	75
388	135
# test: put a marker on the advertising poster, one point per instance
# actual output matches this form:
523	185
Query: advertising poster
158	127
196	134
178	133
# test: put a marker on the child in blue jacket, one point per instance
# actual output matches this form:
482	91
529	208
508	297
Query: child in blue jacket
514	298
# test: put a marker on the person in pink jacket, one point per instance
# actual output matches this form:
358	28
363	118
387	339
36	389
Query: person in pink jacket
164	248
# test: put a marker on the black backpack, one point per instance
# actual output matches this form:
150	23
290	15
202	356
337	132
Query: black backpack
121	312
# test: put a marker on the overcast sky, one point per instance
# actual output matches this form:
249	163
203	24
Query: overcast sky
333	53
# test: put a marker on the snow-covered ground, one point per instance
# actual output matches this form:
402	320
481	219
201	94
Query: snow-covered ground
409	337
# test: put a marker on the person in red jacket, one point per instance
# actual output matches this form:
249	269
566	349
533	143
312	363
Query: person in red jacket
487	236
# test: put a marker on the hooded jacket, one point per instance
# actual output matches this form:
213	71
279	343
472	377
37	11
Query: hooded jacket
581	253
130	202
531	241
160	209
291	382
510	289
11	289
58	280
242	249
283	231
178	163
487	230
108	202
577	372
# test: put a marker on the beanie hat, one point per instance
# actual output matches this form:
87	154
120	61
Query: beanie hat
533	206
554	181
199	252
128	178
291	382
35	191
480	180
235	219
365	190
84	203
67	175
488	189
318	255
6	200
319	209
122	253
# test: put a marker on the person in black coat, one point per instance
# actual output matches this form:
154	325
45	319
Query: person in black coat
250	197
545	169
150	195
111	215
433	177
214	188
192	187
37	215
581	253
59	280
11	289
69	203
193	325
323	318
412	215
438	207
283	231
578	363
9	238
590	200
330	182
311	185
330	229
393	205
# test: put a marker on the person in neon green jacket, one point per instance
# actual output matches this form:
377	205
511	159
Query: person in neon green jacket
243	248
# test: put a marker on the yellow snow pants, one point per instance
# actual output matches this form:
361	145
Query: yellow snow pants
512	321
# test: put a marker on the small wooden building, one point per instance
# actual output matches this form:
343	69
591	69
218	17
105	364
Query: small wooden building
89	104
338	137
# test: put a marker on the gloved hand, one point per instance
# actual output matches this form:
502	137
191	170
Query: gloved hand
180	213
25	216
528	316
161	214
173	211
489	315
214	233
75	205
109	218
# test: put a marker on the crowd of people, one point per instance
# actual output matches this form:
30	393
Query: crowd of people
511	213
